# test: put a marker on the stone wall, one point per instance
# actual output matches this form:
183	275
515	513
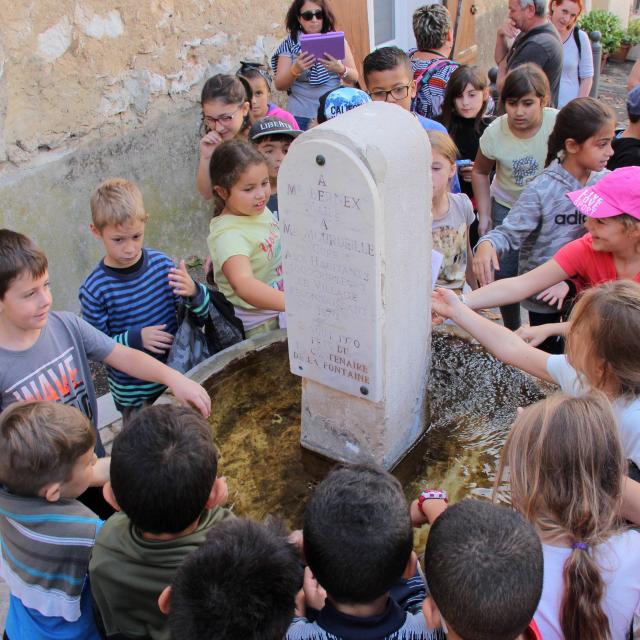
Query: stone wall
95	88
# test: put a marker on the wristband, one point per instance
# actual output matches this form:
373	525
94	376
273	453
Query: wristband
432	494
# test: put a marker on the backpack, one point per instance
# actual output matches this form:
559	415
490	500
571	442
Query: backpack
423	77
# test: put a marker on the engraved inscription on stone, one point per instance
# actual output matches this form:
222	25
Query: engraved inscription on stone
331	268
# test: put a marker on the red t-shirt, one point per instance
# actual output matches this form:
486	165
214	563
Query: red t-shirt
532	632
579	259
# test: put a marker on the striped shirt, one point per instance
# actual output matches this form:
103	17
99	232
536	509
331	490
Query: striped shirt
289	47
430	96
121	303
46	547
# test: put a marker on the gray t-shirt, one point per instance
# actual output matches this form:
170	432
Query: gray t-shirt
55	367
542	46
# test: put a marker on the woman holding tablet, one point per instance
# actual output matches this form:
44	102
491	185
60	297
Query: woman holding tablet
301	74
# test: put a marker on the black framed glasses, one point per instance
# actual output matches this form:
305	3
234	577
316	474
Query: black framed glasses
397	93
318	14
225	119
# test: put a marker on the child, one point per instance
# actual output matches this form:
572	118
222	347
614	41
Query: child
465	115
46	462
241	583
389	78
565	471
607	252
543	219
260	82
626	146
133	293
272	136
244	239
452	214
516	145
484	568
357	543
44	354
226	102
603	350
163	481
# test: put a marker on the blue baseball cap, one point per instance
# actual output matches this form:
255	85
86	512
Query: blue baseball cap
339	101
633	101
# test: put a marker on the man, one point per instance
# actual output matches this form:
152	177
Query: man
536	40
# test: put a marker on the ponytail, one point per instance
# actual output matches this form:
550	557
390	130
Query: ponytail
581	614
577	120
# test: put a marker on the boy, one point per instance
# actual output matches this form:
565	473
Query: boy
44	354
484	569
46	461
358	544
626	146
389	78
133	293
241	583
163	482
273	136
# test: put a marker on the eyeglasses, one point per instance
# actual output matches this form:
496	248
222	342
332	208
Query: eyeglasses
318	14
397	93
224	120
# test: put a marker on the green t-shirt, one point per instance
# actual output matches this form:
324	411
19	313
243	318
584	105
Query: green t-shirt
518	160
257	238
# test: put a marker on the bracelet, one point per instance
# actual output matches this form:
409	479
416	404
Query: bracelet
346	72
432	494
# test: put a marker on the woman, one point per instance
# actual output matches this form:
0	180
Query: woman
304	77
577	68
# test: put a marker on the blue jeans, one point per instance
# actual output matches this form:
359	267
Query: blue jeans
508	269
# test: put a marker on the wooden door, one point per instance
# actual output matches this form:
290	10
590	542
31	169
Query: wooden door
353	19
466	49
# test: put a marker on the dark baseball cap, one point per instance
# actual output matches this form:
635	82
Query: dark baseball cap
272	125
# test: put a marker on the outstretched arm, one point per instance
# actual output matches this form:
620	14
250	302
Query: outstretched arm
502	343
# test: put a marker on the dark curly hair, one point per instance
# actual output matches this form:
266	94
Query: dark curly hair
292	21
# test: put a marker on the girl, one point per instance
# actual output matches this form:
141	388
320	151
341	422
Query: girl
609	251
225	101
543	219
466	113
603	350
577	66
452	214
300	74
516	145
566	474
244	240
260	82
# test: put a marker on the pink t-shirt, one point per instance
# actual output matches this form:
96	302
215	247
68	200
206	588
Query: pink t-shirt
579	258
275	110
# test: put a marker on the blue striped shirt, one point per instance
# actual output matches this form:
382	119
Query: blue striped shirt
289	47
121	304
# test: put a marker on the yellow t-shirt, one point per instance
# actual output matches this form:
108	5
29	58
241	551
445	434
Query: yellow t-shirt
257	238
518	160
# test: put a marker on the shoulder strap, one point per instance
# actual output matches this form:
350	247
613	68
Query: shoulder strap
576	37
422	76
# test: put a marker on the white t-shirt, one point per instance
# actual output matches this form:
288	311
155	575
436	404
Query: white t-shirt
627	411
619	562
575	66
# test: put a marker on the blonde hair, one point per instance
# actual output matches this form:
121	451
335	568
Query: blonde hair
566	468
40	443
444	145
605	334
117	202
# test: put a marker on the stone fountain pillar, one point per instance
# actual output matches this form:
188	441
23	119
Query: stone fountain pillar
355	219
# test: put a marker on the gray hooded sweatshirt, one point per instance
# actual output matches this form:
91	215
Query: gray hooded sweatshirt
542	221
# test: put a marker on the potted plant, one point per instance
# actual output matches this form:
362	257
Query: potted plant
633	34
608	24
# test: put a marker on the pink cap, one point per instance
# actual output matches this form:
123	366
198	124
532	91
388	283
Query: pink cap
618	192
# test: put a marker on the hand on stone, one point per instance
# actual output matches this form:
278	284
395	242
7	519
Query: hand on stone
485	263
191	394
156	340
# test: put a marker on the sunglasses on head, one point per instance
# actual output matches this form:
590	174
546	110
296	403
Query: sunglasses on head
318	14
